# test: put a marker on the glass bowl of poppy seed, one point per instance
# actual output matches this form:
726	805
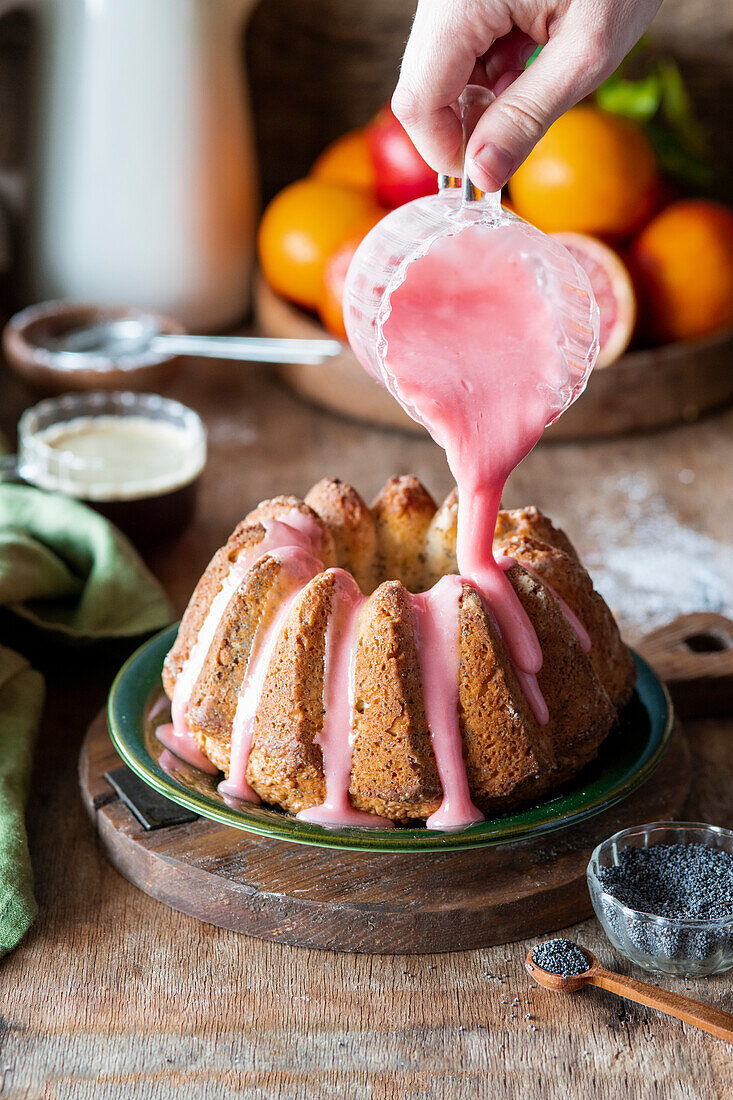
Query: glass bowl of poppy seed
664	895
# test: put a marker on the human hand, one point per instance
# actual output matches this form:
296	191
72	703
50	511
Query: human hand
488	42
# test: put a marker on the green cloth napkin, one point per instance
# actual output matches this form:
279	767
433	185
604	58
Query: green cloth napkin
68	571
21	701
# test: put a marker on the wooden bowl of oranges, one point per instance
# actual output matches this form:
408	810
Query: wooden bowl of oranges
661	266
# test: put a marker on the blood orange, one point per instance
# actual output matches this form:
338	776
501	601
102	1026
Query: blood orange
331	307
613	289
302	226
401	173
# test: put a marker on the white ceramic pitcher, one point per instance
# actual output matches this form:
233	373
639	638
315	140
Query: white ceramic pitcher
142	180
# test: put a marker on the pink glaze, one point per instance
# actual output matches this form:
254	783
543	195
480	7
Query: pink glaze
472	353
170	763
301	567
438	643
297	529
570	617
184	747
336	738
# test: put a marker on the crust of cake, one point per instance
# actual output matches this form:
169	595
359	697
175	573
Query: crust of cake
285	764
351	525
214	698
402	514
401	544
440	541
581	712
533	524
393	770
244	537
567	577
505	748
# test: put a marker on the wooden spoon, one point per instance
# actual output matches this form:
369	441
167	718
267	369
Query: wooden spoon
644	993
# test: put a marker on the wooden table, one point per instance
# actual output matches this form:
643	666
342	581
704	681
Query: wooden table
113	995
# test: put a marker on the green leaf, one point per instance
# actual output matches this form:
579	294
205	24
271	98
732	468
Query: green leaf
638	100
657	101
678	160
677	107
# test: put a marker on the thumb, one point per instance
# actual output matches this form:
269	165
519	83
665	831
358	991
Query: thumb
513	124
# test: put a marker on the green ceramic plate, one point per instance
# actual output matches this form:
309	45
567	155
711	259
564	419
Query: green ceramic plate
628	757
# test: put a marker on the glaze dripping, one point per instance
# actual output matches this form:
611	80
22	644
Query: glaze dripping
472	351
336	739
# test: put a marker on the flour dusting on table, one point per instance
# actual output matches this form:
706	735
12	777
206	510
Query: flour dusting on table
650	567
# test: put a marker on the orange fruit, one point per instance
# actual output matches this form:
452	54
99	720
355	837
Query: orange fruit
613	289
300	229
331	306
347	161
592	172
683	265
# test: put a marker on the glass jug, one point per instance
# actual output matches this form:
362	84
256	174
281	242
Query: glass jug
407	233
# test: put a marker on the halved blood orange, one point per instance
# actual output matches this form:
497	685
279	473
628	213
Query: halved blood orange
613	289
331	307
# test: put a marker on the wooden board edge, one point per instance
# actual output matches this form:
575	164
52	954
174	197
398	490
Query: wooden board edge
536	910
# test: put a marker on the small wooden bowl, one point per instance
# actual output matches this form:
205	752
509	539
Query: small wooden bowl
29	336
640	391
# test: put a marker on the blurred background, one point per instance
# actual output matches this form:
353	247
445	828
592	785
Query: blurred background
320	67
328	65
309	71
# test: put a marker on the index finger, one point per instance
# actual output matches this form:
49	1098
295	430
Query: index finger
438	63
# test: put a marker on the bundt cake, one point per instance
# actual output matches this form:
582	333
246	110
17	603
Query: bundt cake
332	662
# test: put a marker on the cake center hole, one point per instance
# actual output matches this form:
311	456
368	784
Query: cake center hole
706	643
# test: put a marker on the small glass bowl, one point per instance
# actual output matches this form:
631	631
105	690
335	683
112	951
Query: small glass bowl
149	494
686	948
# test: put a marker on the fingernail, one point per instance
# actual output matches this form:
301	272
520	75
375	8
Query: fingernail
495	163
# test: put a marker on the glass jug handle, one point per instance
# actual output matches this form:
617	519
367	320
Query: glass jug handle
473	102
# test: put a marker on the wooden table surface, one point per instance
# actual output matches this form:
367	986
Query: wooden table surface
113	995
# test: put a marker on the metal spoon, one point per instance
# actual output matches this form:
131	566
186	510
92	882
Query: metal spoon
118	341
710	1019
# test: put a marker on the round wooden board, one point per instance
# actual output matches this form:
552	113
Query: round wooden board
640	391
357	901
